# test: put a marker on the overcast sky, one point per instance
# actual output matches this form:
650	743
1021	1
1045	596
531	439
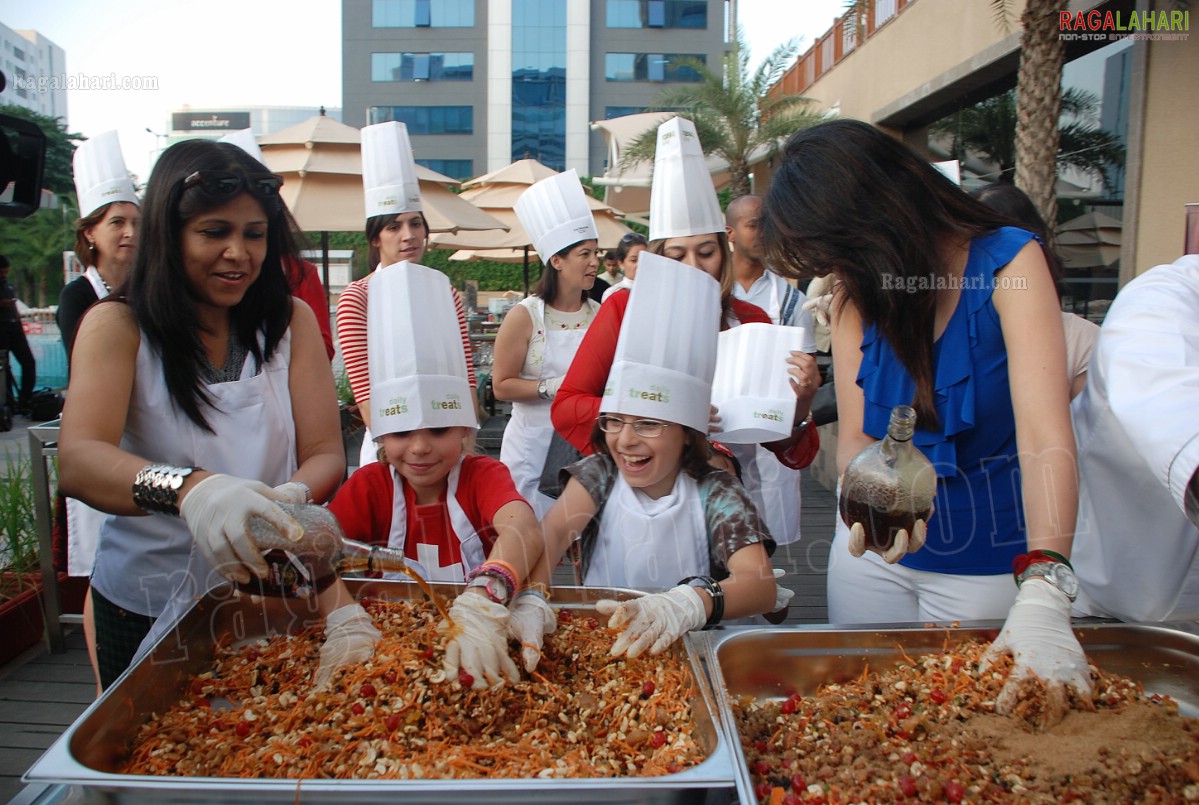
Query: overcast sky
222	53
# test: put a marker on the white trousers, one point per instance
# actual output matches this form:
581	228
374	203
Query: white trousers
867	590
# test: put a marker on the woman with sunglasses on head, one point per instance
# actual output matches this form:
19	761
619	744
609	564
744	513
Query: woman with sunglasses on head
539	337
649	510
396	230
201	397
686	225
627	253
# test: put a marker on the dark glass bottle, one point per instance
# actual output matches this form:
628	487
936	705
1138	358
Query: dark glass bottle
889	485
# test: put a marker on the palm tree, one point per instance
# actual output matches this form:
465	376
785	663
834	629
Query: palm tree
989	129
1038	94
733	113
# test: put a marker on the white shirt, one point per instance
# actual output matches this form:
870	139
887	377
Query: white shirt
1136	425
782	301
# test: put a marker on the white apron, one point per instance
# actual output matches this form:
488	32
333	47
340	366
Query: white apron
149	564
774	489
527	434
650	544
84	522
427	563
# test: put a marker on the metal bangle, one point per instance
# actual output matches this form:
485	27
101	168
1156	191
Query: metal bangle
713	588
156	487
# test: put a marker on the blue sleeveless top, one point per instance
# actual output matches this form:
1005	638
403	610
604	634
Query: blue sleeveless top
978	526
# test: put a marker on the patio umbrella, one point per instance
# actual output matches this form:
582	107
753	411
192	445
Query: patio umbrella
320	161
1091	240
496	193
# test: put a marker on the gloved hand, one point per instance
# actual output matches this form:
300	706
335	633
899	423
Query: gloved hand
479	645
293	492
782	596
1037	634
530	619
350	638
218	512
819	307
904	544
553	384
653	621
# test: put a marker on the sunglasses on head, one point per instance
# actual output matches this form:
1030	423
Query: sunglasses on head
226	184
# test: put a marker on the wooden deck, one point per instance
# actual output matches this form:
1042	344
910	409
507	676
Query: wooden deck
41	694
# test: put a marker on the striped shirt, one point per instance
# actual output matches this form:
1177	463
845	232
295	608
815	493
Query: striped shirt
351	336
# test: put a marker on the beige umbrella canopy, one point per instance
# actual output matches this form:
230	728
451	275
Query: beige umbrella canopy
1091	240
496	193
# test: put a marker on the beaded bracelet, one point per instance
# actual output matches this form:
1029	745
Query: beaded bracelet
712	586
501	571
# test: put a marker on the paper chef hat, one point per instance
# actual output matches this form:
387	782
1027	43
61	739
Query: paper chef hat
100	174
244	139
414	352
388	170
682	201
751	387
555	214
666	352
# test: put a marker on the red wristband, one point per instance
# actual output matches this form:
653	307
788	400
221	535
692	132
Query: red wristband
1025	560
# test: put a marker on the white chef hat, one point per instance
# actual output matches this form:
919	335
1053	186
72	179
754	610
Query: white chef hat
752	388
245	140
682	201
414	352
100	174
666	352
555	214
389	170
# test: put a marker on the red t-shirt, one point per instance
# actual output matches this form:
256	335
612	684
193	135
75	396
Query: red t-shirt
577	403
364	506
305	283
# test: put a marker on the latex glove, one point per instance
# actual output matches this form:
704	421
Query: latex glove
819	307
293	492
350	638
218	512
479	645
782	596
904	544
529	620
653	621
1037	634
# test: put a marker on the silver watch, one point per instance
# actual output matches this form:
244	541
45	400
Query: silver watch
1056	573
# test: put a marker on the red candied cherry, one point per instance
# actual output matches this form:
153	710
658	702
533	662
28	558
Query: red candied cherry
243	729
761	768
565	616
464	678
647	688
658	739
357	709
798	783
938	696
954	791
393	722
367	691
907	785
763	789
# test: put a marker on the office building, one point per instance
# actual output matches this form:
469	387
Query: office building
481	83
36	70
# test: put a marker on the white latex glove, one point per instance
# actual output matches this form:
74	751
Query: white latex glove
653	621
529	620
819	307
218	512
1037	634
350	638
782	596
904	543
479	644
292	492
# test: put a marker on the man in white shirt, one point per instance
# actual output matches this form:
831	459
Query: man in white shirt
773	487
1136	423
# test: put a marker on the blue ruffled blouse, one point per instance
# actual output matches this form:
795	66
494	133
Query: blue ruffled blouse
978	526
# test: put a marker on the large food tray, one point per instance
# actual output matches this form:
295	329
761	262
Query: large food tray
89	753
767	664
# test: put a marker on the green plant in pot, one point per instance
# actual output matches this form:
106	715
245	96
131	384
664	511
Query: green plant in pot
19	548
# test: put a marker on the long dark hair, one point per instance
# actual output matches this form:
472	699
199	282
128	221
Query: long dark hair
547	286
851	199
157	287
1007	199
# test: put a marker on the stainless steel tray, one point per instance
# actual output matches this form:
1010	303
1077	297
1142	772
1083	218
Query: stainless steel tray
768	663
88	754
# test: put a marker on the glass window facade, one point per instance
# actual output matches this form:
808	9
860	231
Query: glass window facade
423	13
539	81
657	14
453	168
620	111
650	67
428	119
422	66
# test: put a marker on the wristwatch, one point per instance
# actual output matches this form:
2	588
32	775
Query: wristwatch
543	389
493	587
1056	573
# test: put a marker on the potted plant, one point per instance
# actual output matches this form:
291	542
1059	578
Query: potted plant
21	618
